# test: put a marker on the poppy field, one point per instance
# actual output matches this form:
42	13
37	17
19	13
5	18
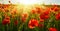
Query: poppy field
36	18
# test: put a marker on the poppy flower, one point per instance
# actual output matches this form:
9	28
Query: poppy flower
52	29
41	20
40	25
45	15
25	15
13	12
16	22
57	16
6	6
6	10
33	11
55	8
33	23
23	19
38	10
8	18
5	21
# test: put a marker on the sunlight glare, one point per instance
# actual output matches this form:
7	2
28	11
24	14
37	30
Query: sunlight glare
28	2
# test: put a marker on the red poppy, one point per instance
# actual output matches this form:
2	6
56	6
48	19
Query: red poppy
41	25
57	16
47	11
45	15
5	21
23	19
13	12
25	15
6	6
16	22
52	29
38	10
33	11
8	18
55	8
33	23
41	20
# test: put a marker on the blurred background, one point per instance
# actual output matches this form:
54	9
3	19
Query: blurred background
31	1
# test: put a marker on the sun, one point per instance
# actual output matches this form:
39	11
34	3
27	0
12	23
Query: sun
28	2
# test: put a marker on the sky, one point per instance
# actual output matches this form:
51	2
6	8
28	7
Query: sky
39	1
